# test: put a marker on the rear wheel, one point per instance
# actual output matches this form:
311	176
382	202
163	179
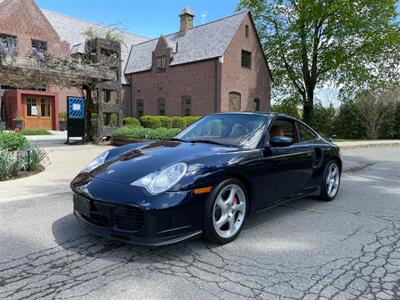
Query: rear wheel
225	212
330	181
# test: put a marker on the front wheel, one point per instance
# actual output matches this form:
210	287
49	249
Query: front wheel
330	181
225	212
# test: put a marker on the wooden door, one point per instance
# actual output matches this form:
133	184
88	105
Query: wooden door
38	112
234	102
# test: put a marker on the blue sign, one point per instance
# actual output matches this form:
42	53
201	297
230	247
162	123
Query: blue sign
76	108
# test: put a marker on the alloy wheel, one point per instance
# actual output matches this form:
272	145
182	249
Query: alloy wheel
332	180
229	211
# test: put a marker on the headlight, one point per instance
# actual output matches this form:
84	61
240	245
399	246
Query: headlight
158	182
99	160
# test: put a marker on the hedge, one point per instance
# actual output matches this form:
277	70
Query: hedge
150	122
179	122
32	131
131	122
146	133
166	122
13	141
192	119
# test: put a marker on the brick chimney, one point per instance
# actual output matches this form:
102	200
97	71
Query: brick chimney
186	16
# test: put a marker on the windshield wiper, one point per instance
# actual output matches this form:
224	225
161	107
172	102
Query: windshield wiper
210	142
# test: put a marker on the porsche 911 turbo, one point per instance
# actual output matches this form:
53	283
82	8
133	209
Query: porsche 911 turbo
206	181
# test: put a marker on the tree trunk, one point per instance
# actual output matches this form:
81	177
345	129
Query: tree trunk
308	107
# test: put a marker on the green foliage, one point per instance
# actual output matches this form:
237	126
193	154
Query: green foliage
11	164
150	122
309	43
348	123
33	131
166	122
323	120
131	122
113	36
179	122
63	116
90	34
146	133
288	108
36	157
13	141
192	119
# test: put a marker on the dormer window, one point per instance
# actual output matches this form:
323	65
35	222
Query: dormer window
160	64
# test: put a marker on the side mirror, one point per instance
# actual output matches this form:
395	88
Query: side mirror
281	141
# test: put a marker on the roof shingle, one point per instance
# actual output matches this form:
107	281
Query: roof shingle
199	43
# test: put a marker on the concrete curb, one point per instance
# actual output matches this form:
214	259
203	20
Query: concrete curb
368	145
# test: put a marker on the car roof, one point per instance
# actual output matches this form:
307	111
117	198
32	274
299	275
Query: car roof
261	113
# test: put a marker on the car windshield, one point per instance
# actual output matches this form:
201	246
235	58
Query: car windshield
239	130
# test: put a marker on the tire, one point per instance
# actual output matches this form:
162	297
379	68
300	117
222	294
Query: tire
330	185
225	212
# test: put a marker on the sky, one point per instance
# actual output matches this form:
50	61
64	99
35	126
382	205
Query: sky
148	18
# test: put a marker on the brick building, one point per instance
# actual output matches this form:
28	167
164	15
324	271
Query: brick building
24	26
218	66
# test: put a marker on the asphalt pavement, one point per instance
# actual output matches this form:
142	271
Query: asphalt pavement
307	249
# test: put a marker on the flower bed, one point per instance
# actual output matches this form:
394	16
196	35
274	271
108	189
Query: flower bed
18	157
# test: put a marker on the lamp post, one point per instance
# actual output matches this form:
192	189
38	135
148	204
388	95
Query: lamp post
29	151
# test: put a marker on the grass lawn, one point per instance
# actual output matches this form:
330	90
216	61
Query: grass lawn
32	131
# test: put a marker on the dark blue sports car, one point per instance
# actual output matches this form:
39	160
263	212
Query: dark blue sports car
206	181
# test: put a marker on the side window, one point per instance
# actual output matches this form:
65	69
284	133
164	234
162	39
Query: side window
186	105
283	128
140	108
306	134
161	106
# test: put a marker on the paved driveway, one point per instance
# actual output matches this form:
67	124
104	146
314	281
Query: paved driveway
348	248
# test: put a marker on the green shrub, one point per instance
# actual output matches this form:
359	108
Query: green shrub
348	123
150	122
288	108
131	122
10	164
36	157
179	122
146	133
32	131
166	122
162	133
13	141
192	119
63	116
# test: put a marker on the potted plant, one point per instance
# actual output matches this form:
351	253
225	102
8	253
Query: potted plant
18	121
63	120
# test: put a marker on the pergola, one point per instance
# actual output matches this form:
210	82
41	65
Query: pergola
18	71
22	71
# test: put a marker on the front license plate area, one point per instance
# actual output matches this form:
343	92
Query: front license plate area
82	205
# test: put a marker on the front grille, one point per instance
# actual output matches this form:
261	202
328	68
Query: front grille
119	217
128	218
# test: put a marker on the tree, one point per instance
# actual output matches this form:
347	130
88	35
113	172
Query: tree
374	108
311	42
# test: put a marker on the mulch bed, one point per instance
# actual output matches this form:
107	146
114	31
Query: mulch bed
25	174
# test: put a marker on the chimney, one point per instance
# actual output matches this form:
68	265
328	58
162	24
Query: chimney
186	16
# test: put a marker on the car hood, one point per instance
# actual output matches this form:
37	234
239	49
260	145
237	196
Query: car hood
153	156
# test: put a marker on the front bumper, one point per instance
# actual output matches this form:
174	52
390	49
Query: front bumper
107	209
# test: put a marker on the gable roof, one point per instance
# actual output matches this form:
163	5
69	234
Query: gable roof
71	30
199	43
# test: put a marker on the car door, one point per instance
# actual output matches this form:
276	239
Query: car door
286	170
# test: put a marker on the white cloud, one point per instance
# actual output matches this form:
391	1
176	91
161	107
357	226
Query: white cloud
203	17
